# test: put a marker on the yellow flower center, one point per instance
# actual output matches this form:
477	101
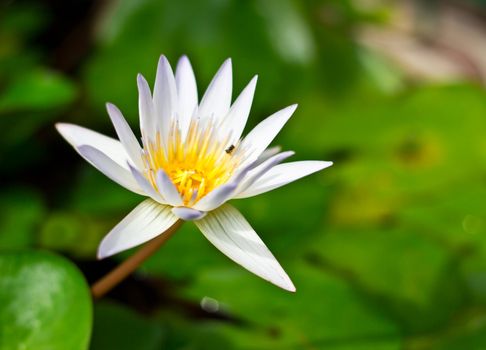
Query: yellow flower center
196	165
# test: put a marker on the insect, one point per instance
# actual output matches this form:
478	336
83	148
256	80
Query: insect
230	149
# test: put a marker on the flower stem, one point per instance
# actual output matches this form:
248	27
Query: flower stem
109	281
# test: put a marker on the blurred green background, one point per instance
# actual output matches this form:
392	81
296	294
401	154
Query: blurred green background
387	248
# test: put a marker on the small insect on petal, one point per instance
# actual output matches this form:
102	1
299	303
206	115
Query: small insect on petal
230	149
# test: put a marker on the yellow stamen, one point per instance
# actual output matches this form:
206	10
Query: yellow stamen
196	166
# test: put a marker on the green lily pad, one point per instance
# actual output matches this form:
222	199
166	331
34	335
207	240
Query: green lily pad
46	304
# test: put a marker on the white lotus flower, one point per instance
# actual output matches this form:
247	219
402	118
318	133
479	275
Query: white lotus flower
191	162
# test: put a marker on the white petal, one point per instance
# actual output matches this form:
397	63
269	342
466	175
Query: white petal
125	134
110	168
78	136
263	168
217	99
148	220
167	188
281	175
235	121
188	214
146	109
187	93
165	96
269	152
238	182
263	134
217	197
146	186
228	231
221	194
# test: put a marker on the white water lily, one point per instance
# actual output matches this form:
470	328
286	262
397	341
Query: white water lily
191	162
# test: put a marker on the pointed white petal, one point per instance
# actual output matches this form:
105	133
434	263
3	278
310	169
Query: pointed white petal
165	96
125	134
269	152
241	180
228	231
217	99
261	169
235	121
188	214
148	220
281	175
263	134
146	109
167	188
78	136
221	194
146	186
187	93
217	197
110	168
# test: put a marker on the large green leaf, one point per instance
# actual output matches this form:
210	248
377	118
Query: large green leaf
45	303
